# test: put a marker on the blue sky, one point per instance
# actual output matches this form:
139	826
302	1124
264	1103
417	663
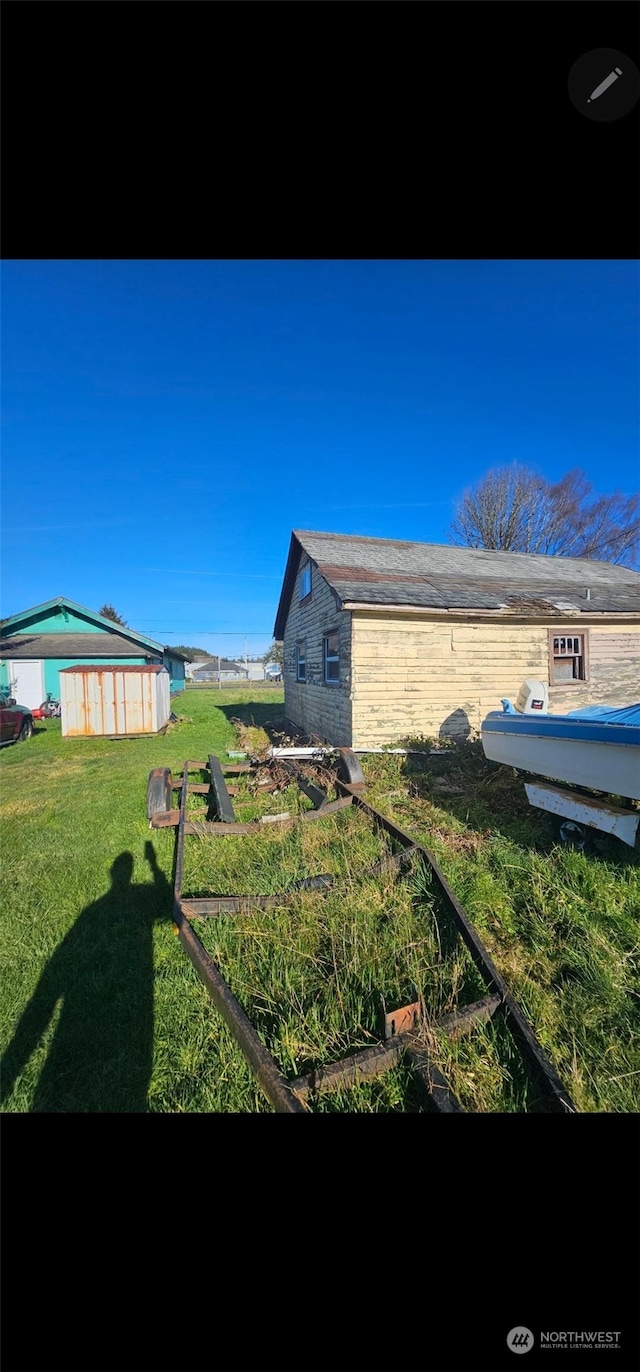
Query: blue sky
166	424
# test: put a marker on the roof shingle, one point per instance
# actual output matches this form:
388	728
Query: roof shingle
72	645
377	571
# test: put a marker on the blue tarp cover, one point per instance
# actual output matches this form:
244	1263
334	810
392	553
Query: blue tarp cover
606	714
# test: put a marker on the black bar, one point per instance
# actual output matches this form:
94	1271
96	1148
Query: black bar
220	829
463	1021
431	1076
363	1066
269	1077
207	906
220	793
314	793
560	1098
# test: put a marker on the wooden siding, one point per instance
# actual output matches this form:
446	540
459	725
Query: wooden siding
312	706
614	674
57	621
415	676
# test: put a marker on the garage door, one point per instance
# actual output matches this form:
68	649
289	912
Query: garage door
26	678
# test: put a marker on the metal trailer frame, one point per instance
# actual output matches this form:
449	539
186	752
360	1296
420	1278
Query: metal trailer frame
402	1041
583	810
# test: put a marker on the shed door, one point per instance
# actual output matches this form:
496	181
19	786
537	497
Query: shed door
26	683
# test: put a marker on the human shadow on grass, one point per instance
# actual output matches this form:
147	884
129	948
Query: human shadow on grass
101	974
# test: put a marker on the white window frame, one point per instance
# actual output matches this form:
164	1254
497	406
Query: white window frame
326	658
305	580
301	660
562	649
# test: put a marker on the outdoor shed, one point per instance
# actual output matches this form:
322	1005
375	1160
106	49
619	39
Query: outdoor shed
113	700
387	640
38	644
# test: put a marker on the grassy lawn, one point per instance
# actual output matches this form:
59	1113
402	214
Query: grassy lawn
101	1009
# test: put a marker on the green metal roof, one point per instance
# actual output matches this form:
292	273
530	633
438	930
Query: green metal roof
60	602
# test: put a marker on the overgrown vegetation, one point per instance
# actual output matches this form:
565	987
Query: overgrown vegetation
562	925
101	1010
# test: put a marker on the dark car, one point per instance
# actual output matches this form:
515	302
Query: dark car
16	721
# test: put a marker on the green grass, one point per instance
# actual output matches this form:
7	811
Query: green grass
101	1009
562	925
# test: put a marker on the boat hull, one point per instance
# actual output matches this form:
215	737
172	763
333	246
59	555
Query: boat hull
600	757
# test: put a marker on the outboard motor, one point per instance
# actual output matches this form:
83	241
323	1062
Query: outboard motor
532	698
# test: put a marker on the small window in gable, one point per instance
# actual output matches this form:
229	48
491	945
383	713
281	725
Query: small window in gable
331	656
301	662
305	581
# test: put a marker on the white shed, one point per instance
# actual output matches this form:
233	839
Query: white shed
113	699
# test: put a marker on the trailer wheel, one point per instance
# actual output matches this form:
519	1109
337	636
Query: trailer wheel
573	835
349	768
159	791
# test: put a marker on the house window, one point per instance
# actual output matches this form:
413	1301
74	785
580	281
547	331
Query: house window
305	581
301	662
567	657
331	655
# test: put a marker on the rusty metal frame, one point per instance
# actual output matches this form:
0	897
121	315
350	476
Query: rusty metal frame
492	977
275	1086
291	1096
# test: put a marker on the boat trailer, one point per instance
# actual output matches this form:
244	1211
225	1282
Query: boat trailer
402	1039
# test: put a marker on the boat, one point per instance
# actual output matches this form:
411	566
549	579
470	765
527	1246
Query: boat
596	747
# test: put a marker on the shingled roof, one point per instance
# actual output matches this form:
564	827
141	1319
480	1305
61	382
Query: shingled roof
388	572
211	665
73	645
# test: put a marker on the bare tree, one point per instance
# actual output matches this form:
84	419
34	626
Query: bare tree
517	510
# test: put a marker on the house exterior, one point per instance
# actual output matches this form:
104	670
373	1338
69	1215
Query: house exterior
39	643
227	671
387	640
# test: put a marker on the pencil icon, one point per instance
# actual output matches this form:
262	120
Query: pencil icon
604	85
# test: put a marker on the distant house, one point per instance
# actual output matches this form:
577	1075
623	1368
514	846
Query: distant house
38	643
384	639
227	671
